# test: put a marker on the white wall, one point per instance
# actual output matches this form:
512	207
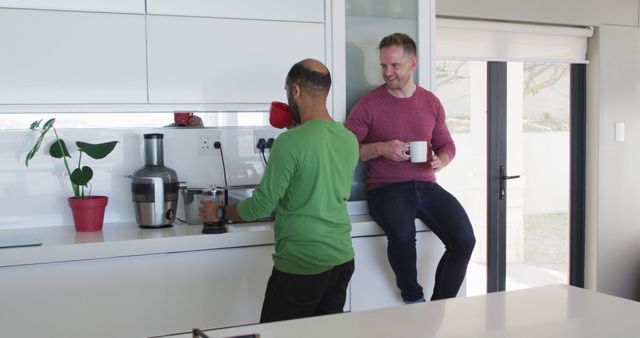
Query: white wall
545	173
613	175
613	228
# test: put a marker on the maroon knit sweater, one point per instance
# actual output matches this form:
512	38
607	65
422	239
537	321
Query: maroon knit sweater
380	116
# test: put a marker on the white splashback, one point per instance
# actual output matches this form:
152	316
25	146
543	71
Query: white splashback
36	196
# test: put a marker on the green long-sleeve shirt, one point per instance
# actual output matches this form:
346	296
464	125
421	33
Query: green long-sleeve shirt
307	183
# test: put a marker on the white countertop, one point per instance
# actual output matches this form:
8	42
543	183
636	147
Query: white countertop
548	312
63	243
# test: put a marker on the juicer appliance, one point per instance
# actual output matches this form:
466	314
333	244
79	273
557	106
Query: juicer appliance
154	187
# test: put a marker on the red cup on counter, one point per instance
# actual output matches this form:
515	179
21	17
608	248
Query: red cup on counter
280	115
182	119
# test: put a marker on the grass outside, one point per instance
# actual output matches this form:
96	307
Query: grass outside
546	241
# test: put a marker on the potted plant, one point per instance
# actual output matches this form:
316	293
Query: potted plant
88	211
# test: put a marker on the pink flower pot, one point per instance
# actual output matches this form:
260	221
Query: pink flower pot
88	213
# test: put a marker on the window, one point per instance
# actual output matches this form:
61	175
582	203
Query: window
134	120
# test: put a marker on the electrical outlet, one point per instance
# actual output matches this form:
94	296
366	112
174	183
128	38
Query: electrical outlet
265	134
206	141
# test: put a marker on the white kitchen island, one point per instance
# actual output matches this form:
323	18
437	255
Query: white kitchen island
548	311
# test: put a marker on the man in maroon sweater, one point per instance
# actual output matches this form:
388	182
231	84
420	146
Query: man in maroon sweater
398	191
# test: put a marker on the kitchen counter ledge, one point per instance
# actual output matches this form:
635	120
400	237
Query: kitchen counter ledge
63	243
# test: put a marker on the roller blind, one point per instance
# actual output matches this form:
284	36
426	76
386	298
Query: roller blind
498	41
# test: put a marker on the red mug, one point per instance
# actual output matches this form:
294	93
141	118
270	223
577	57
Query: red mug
280	114
182	119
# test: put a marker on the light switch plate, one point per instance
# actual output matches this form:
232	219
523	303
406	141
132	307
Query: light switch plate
619	132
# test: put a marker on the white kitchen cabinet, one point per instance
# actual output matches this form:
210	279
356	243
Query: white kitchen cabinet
53	57
216	288
285	10
117	297
164	55
112	6
138	296
208	60
373	284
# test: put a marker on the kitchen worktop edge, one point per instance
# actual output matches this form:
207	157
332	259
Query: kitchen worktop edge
63	243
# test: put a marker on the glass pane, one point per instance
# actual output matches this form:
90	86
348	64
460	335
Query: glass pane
134	120
538	100
461	87
366	25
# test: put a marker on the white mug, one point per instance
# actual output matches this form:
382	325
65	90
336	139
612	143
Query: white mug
418	151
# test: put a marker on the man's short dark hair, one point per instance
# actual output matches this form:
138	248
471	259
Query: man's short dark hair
399	39
312	81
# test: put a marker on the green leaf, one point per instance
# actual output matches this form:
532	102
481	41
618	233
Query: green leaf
45	128
35	124
81	176
97	151
31	153
55	151
47	125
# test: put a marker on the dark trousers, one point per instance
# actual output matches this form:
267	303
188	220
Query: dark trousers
291	296
395	207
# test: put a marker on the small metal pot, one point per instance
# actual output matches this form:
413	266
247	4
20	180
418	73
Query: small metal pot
192	198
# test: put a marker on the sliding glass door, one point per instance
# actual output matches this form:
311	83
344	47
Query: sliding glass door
538	151
516	158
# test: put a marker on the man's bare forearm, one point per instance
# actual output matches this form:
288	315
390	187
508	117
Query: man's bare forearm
369	151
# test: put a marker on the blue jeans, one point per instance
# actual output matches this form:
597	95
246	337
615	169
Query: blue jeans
395	207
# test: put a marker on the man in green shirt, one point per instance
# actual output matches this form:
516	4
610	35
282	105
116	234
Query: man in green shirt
307	183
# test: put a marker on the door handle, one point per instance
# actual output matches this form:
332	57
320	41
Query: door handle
503	181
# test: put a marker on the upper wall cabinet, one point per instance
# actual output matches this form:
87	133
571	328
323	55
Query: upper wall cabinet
112	6
51	57
286	10
102	55
212	60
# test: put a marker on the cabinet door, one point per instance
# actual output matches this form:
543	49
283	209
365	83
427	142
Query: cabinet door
373	284
206	60
216	288
112	6
286	10
118	297
71	57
